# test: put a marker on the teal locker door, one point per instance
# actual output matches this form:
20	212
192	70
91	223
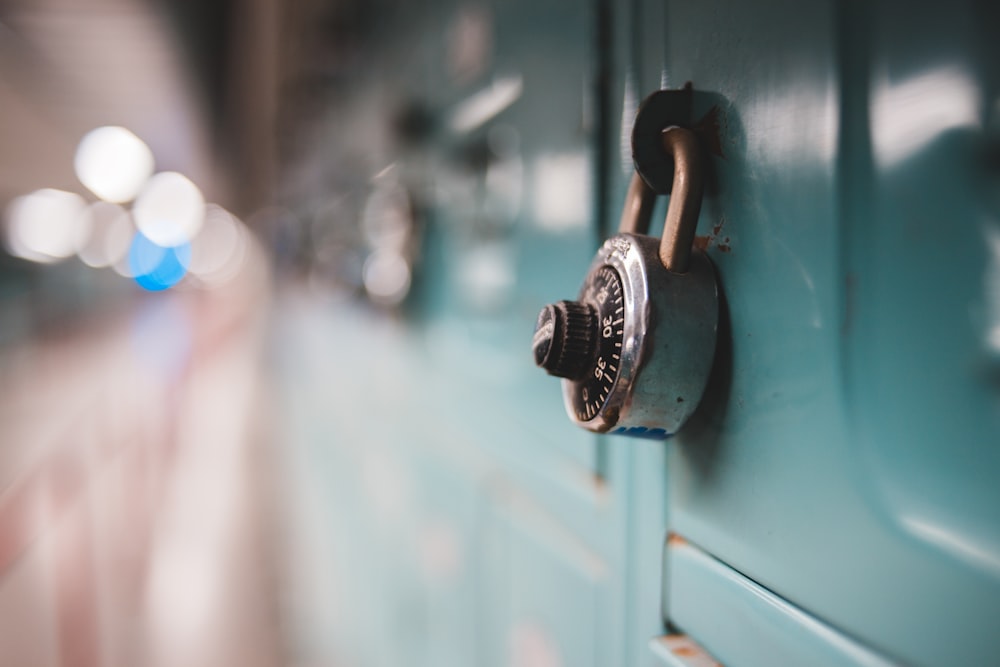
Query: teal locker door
464	520
513	232
844	459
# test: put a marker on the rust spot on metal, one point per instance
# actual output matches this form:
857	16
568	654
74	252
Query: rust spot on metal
680	399
714	239
689	652
675	540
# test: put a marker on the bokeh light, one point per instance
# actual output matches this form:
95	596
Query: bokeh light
47	225
156	268
113	163
111	234
122	238
218	252
170	210
387	277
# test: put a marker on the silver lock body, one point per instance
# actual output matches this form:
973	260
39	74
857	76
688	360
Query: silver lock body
668	335
636	349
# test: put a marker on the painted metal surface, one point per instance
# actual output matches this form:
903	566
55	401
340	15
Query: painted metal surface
680	651
462	554
746	624
846	454
843	456
457	517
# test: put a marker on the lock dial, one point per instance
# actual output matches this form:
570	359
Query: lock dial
582	341
603	293
635	348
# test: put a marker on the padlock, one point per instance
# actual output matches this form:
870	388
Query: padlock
636	348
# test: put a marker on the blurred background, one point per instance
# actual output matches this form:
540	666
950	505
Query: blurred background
268	279
138	144
214	234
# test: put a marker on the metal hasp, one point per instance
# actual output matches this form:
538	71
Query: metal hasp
636	348
685	201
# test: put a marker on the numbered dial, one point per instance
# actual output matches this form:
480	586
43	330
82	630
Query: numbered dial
603	292
582	341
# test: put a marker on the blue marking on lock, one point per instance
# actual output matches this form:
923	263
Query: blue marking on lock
642	432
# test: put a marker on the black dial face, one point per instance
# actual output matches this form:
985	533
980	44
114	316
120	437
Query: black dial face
603	291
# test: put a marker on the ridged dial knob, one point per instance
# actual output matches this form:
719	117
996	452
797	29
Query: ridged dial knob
565	339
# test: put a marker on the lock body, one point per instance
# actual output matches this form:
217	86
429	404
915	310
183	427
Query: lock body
647	373
636	349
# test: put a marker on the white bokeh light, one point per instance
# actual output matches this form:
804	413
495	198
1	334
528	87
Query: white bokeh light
170	210
218	252
47	225
110	235
120	240
113	163
387	277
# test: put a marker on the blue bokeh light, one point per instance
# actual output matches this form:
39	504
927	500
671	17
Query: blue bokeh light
156	268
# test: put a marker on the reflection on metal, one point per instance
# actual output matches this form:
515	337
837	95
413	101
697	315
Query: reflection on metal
965	547
479	108
908	116
562	191
804	123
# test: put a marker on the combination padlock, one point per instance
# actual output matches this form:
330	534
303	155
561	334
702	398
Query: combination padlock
636	348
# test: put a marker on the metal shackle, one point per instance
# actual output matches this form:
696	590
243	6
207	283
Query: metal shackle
682	146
